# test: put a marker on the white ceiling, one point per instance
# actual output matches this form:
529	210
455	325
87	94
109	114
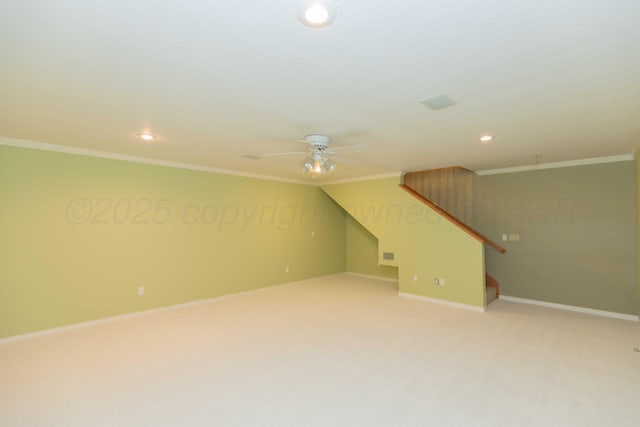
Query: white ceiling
215	80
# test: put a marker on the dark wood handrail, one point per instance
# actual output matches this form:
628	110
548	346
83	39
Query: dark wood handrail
455	221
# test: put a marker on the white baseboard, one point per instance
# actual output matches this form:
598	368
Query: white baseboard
370	276
443	302
585	310
119	317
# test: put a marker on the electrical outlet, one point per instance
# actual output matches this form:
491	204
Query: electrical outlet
441	281
313	234
505	237
141	291
286	269
415	278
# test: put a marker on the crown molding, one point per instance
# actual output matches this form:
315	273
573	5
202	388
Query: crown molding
23	143
364	178
554	165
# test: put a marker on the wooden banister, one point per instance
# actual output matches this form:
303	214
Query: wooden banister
453	219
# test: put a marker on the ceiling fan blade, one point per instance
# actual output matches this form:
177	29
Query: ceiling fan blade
286	154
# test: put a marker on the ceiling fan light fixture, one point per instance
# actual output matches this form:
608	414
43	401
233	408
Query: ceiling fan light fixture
317	13
317	166
307	165
316	159
329	165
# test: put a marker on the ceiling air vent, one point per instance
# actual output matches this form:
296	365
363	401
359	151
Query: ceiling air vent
438	102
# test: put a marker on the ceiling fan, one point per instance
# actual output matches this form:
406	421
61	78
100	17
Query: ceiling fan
317	160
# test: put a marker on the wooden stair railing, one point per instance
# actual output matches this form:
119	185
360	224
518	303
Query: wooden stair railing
453	219
451	188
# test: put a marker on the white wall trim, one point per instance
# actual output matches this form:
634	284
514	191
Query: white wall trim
45	146
370	276
22	143
584	310
364	178
119	317
554	165
443	302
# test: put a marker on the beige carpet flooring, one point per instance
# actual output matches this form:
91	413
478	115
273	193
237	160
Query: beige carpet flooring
335	351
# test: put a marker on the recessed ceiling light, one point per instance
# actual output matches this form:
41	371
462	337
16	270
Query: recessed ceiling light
317	13
147	136
487	138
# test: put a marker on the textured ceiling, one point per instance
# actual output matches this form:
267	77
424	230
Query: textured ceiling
219	79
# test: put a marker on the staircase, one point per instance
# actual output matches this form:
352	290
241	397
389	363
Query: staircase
439	257
453	219
423	240
450	190
492	288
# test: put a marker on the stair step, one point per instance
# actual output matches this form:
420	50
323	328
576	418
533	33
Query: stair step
491	294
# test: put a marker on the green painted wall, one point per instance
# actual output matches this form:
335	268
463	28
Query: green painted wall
637	165
424	244
362	252
81	234
578	234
